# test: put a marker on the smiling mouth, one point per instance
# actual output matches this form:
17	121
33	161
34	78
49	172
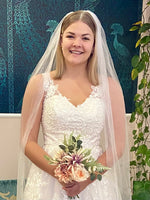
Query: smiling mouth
76	52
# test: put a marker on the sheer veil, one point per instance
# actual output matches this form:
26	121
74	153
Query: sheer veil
115	142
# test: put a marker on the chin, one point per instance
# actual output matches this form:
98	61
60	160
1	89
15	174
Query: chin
76	61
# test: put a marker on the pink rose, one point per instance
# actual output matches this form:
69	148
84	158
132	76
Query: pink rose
63	172
79	173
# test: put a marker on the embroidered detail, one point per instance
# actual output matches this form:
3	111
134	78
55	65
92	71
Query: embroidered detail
61	117
6	196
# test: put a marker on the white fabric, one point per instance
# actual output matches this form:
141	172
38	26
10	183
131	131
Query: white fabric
61	117
114	140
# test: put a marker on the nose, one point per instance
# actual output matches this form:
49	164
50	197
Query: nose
77	42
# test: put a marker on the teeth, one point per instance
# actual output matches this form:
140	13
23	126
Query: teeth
76	52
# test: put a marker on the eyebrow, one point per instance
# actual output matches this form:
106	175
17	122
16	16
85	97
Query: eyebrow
85	34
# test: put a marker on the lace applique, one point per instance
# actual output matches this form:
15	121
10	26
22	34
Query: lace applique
61	117
97	91
46	82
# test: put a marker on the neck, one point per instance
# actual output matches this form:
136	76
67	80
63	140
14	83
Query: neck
76	71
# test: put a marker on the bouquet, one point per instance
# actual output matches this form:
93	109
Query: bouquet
74	163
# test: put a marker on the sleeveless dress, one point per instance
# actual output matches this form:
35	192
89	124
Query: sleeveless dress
61	117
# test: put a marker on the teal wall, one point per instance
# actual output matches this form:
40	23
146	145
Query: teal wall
25	28
8	189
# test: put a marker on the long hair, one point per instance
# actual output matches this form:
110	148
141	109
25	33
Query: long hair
86	18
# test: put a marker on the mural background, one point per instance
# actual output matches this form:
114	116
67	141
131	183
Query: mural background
25	29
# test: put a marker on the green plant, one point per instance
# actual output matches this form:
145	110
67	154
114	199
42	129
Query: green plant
141	190
141	114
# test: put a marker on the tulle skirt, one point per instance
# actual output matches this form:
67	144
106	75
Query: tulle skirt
42	186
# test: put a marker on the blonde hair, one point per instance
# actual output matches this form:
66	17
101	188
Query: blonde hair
92	61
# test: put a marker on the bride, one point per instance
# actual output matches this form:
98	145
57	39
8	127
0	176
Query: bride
74	88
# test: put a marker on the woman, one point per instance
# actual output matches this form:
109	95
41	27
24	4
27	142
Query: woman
74	88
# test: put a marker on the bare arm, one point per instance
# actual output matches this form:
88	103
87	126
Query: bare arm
36	154
118	115
34	94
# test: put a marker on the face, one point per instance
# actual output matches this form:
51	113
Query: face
77	44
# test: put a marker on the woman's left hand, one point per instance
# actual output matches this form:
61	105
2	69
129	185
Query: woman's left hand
77	187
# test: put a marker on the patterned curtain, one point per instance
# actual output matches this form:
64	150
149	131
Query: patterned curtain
25	29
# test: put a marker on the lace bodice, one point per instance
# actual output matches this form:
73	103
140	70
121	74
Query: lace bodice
61	117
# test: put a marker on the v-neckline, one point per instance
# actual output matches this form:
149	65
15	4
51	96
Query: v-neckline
67	99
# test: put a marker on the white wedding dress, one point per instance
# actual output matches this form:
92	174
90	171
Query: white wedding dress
61	117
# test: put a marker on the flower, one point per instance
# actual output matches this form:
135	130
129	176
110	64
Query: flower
63	172
74	163
79	173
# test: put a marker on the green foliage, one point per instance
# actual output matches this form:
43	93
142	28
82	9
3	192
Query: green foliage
74	197
135	61
71	144
99	177
144	28
71	149
92	176
141	190
141	114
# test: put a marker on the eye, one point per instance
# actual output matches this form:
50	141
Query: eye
69	36
86	38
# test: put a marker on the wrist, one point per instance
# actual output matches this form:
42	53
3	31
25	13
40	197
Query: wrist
52	170
89	181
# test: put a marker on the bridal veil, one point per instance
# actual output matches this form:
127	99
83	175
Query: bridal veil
115	142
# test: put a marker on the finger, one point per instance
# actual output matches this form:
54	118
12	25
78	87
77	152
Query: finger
66	188
68	185
72	191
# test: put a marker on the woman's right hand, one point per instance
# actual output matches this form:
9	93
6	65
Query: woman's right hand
67	185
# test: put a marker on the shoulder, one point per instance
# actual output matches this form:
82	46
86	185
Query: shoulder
39	79
116	94
113	84
36	79
35	85
115	90
114	87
